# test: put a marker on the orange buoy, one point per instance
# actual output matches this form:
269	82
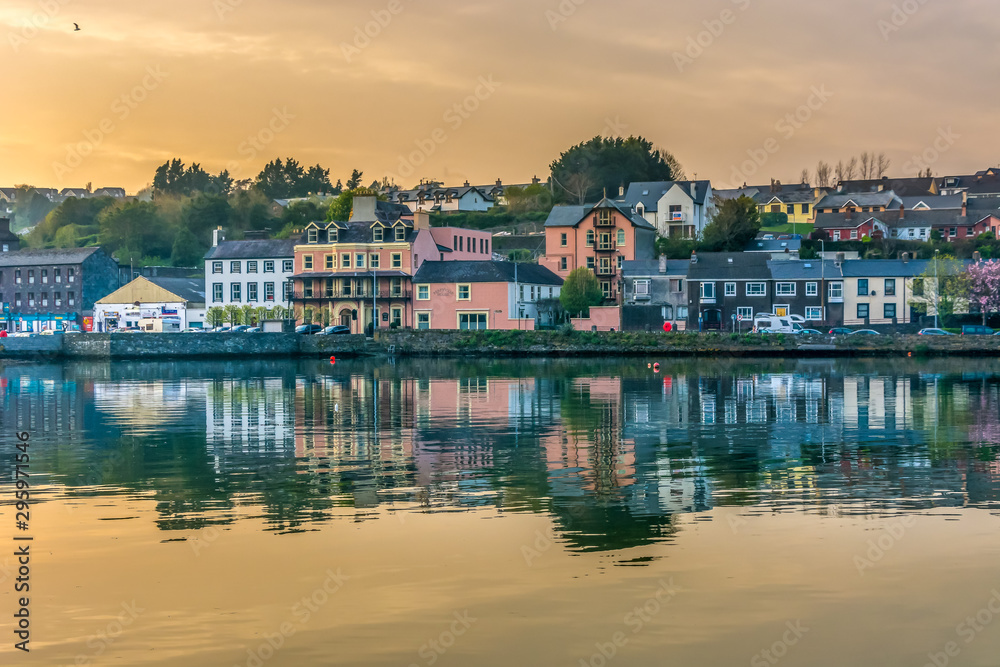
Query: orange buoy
333	360
656	367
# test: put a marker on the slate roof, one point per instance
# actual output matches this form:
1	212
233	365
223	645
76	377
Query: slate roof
570	216
883	268
935	202
736	193
807	269
773	245
789	195
438	193
651	267
484	272
890	218
191	290
255	249
839	199
55	256
841	221
357	232
650	192
904	187
713	266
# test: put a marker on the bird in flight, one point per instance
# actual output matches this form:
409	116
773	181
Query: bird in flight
76	27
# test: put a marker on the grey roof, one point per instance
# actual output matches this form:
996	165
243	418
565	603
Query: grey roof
191	290
571	216
909	187
651	267
787	196
839	199
255	249
934	202
358	232
438	193
891	218
806	269
485	272
650	192
736	193
888	268
55	256
841	221
773	245
729	266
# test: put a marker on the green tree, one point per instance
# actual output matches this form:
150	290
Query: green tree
771	219
80	212
534	197
130	225
341	207
602	164
944	284
186	251
173	178
247	312
354	182
580	291
249	209
215	316
202	213
234	314
735	224
288	179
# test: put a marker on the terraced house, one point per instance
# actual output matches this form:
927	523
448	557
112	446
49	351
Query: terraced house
361	271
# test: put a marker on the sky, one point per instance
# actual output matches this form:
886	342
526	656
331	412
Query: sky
738	90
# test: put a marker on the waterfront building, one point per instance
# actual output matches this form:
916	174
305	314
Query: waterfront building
154	304
655	292
257	272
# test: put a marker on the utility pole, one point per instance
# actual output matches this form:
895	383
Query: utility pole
937	289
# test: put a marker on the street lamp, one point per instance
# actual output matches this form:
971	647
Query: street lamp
822	279
937	288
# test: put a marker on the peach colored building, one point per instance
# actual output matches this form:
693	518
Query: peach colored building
599	237
365	265
484	295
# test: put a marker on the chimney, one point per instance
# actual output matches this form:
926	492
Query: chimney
363	208
694	257
694	190
534	180
817	193
217	236
902	210
965	203
663	264
977	256
905	257
621	190
499	183
466	183
421	220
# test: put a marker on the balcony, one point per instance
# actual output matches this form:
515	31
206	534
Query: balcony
600	221
605	247
676	216
605	270
326	295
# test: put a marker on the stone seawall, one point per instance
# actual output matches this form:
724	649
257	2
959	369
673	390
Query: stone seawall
172	345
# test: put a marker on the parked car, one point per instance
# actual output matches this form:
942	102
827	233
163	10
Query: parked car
308	329
222	329
934	332
976	330
810	332
865	332
194	330
240	328
127	330
24	334
840	331
334	329
253	330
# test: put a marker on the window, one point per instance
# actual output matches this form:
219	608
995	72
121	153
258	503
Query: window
45	300
70	298
17	276
331	262
836	291
836	235
620	240
17	299
730	289
590	263
606	288
307	262
31	299
332	235
397	260
345	289
45	276
562	240
805	208
590	238
854	234
359	260
287	266
814	313
862	287
397	316
776	208
286	290
31	277
269	266
373	260
889	311
563	264
744	313
423	321
57	298
423	292
307	289
682	312
252	266
216	268
471	321
345	260
400	233
328	288
812	289
251	291
790	209
377	233
676	285
216	292
708	290
57	274
953	231
890	287
236	292
268	291
234	267
785	289
396	287
756	289
71	275
862	311
464	292
312	236
641	287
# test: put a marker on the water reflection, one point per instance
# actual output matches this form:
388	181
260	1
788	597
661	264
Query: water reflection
612	451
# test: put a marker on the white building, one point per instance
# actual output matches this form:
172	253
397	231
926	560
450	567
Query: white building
178	303
254	272
678	209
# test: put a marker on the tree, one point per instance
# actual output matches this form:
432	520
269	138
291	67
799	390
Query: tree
845	171
130	225
202	213
530	198
822	175
173	178
676	170
215	316
246	313
354	182
984	286
186	250
867	165
944	285
30	208
735	224
603	164
233	314
341	207
288	179
881	165
81	213
804	177
580	291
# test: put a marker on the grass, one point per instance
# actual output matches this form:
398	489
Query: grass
802	228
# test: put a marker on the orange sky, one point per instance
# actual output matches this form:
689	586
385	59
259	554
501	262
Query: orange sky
238	82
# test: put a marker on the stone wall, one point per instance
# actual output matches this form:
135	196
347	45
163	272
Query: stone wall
28	347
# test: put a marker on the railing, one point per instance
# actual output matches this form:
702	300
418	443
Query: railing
608	222
678	216
324	294
605	247
605	270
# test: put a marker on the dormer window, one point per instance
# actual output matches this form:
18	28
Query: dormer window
400	233
312	236
332	235
377	233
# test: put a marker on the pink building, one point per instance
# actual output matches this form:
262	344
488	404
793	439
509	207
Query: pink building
366	265
484	295
599	237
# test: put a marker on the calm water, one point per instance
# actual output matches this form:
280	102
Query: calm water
507	513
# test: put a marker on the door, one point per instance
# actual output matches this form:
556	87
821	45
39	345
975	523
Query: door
345	318
781	311
713	319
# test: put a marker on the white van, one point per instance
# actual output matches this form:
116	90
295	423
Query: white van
773	324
